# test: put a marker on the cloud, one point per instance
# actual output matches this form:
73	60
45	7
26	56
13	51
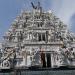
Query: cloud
72	22
66	10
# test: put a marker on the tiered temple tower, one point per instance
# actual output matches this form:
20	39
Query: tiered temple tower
38	38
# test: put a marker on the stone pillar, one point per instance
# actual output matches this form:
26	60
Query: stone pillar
25	59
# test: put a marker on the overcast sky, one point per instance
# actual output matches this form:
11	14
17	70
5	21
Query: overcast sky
9	9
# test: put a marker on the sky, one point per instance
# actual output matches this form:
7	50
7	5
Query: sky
9	9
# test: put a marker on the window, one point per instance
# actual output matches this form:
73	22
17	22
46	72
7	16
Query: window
24	25
39	24
41	37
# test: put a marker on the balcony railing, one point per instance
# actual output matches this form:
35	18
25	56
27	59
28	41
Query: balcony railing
43	42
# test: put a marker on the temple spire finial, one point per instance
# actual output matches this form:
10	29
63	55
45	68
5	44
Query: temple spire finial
33	5
36	7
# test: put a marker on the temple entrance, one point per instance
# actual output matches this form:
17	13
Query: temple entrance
46	59
43	60
48	56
